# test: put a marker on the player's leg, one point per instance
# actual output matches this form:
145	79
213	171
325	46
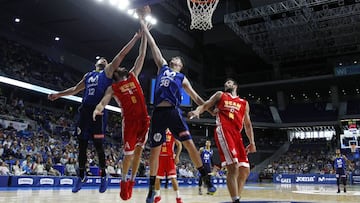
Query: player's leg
83	144
129	140
157	190
180	130
232	181
338	176
160	176
200	185
157	137
229	157
242	177
83	137
175	186
344	179
98	140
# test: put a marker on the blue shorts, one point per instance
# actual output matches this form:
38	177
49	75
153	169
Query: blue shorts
167	117
340	172
87	128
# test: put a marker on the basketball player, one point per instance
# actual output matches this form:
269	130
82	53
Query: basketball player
130	97
206	154
340	167
95	84
167	113
167	165
232	116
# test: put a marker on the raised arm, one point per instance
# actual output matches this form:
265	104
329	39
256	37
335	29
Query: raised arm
206	106
249	130
115	63
192	93
140	59
178	151
158	58
70	91
104	101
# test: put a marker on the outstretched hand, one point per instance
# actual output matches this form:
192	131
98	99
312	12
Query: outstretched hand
193	114
97	113
53	97
251	148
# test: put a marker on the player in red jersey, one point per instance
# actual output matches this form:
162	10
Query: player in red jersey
232	116
167	165
130	97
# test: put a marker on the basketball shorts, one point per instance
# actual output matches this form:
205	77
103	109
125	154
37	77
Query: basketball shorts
135	133
340	172
231	147
167	117
87	128
166	167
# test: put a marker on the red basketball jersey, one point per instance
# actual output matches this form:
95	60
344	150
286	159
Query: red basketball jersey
130	97
231	111
167	148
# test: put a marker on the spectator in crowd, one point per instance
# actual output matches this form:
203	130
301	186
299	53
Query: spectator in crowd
70	168
4	168
49	168
38	167
16	169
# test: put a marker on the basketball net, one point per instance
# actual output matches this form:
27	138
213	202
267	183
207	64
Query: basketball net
201	13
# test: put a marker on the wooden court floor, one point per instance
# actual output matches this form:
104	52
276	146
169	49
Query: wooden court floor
252	193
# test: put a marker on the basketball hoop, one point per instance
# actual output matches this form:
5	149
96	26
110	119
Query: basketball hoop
201	13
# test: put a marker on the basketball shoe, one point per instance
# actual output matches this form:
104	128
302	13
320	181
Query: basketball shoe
130	188
124	188
211	189
78	184
157	199
179	200
103	184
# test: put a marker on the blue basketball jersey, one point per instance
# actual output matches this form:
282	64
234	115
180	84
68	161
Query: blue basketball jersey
167	87
206	156
96	84
340	163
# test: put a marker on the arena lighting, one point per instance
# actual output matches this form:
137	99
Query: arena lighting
57	38
44	90
113	2
17	20
123	4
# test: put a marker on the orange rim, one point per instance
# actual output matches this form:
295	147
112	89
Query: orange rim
202	1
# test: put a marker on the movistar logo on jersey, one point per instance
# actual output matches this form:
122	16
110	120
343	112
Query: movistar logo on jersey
167	77
93	81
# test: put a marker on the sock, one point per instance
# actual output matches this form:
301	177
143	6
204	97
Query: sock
132	178
177	193
157	193
151	186
202	171
123	177
82	173
152	183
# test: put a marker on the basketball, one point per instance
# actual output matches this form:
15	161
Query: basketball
143	11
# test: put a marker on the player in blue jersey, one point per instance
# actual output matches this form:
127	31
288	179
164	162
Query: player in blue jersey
206	154
95	84
340	169
167	113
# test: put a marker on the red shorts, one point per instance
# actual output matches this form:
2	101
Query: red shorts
135	133
231	147
166	167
